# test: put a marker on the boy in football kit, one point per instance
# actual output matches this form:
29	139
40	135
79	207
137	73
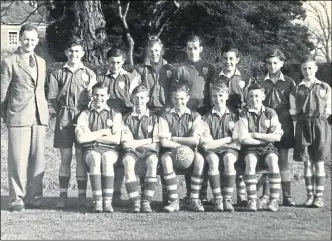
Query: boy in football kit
220	147
141	144
237	83
70	93
99	131
119	86
277	90
156	75
259	128
180	126
197	74
311	107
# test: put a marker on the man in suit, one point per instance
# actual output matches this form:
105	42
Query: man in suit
25	111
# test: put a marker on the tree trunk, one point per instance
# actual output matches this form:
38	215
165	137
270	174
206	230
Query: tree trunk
90	27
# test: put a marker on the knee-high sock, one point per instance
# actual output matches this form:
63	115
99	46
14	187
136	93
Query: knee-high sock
215	187
172	186
274	182
150	184
107	183
251	182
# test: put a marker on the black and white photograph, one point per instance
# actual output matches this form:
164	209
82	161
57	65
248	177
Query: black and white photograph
166	120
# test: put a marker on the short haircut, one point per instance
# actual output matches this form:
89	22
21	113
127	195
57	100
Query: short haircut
219	87
116	52
307	59
153	39
177	87
228	49
275	53
139	89
194	38
100	85
255	86
28	27
74	42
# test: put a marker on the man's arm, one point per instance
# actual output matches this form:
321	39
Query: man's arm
6	78
165	135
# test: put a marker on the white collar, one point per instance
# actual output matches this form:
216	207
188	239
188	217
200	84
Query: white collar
257	111
121	72
80	66
26	55
281	77
236	72
188	111
218	113
316	81
147	113
106	107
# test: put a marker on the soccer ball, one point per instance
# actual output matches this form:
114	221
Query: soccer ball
183	157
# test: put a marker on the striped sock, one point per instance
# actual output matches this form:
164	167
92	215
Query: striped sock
251	182
95	180
240	185
274	182
107	183
150	184
64	183
82	183
172	187
319	181
205	184
309	184
196	182
229	186
132	189
215	186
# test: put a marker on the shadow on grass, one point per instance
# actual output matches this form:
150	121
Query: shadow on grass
49	203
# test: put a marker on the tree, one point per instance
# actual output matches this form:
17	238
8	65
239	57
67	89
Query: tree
82	19
321	33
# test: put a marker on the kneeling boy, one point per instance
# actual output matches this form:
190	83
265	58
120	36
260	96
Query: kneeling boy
98	130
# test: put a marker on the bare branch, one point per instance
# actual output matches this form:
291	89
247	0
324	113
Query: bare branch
126	11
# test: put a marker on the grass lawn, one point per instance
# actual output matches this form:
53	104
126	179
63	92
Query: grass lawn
48	223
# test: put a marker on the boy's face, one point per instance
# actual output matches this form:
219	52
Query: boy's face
180	99
154	53
229	60
74	54
309	70
219	97
141	99
100	97
255	98
29	41
115	64
274	65
194	51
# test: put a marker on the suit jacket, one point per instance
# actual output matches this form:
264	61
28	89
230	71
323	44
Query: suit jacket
21	94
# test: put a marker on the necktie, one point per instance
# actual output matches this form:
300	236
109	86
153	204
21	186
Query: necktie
32	63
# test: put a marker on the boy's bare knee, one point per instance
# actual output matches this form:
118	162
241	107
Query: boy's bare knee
213	162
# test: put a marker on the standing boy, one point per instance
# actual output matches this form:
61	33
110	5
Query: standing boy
277	90
181	126
70	93
24	110
259	128
99	131
220	147
141	144
311	107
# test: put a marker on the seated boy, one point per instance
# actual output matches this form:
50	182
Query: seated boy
218	144
180	126
99	131
141	144
259	128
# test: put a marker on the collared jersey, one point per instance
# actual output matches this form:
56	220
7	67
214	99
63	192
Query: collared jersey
313	101
72	89
158	84
221	126
119	89
141	128
198	77
277	95
180	126
264	122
